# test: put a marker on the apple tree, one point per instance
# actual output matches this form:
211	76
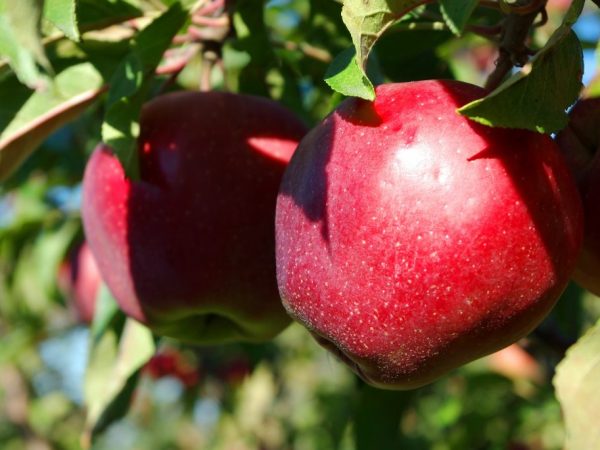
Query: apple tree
299	224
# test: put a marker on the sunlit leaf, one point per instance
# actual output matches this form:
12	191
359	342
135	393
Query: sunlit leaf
62	13
536	98
20	40
366	22
35	273
118	352
69	94
345	77
577	384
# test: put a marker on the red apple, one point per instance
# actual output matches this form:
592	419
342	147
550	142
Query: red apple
517	364
580	143
189	248
170	362
79	280
411	240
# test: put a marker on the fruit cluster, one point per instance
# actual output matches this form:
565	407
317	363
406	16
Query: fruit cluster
406	238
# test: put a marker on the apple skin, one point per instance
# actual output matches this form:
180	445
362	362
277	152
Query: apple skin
410	240
188	249
79	280
580	142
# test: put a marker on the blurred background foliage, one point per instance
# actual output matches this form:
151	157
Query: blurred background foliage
289	393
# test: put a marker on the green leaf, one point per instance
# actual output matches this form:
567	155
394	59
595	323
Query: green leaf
573	13
367	20
130	83
346	77
377	421
42	113
62	13
252	39
106	312
95	14
35	273
536	98
577	383
456	13
119	350
20	40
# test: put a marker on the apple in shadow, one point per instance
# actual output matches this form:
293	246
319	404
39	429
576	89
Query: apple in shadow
580	142
79	280
188	249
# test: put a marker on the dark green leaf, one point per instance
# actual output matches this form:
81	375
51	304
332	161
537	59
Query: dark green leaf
63	15
377	421
346	77
94	14
456	13
252	40
410	55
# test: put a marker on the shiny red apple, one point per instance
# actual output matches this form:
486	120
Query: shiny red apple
188	249
580	143
411	240
79	280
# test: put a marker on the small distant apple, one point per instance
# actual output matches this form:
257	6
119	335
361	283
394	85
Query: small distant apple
170	362
188	249
79	280
411	240
580	143
516	363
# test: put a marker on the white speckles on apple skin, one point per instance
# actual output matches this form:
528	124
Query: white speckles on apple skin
434	235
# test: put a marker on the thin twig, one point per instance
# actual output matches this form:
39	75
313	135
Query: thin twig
512	48
307	49
221	21
210	57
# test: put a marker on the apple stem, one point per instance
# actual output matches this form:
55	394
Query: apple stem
438	24
210	57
